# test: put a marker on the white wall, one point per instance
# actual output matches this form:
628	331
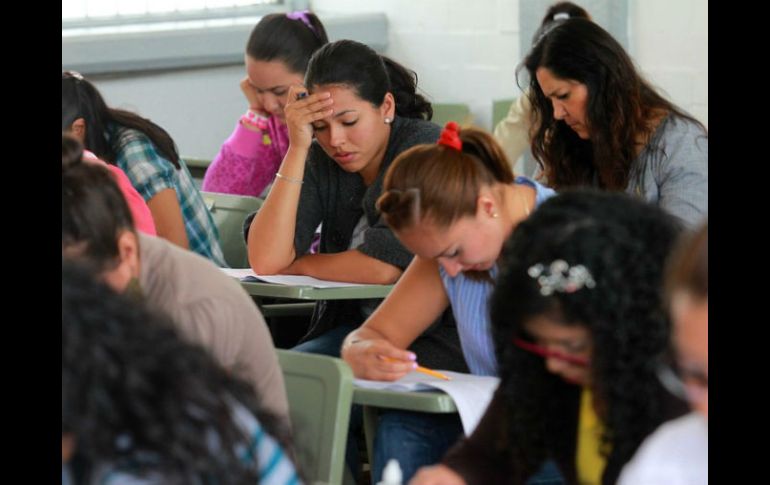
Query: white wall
467	51
669	42
199	108
463	51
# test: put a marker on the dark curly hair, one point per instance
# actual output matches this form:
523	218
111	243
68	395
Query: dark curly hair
621	107
623	242
132	389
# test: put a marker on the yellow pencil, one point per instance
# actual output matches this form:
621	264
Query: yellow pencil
433	373
420	368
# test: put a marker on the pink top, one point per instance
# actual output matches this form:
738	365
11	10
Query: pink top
248	160
139	211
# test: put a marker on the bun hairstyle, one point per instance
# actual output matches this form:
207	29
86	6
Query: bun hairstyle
94	211
442	181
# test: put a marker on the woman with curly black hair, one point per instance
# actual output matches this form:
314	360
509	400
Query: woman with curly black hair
578	323
140	404
596	122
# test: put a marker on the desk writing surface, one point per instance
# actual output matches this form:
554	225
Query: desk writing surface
256	288
422	401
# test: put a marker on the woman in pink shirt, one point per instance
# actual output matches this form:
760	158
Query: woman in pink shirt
139	210
277	53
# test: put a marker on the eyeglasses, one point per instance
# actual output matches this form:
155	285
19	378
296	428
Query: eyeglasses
550	354
690	385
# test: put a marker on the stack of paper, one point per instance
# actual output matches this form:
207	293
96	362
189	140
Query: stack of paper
247	274
470	393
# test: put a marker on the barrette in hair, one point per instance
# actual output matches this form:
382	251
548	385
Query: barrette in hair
74	74
560	276
561	16
301	15
450	136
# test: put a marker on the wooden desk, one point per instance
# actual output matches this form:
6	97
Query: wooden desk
421	401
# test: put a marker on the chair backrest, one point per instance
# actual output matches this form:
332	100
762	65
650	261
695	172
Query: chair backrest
443	112
320	393
500	109
197	167
229	211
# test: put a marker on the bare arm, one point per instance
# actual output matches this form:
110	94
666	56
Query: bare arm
436	475
352	266
271	234
168	219
416	301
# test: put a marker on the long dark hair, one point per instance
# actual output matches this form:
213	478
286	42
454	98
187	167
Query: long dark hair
621	109
291	41
371	75
132	388
623	242
81	99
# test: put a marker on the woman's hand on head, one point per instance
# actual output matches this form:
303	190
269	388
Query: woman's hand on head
301	113
436	475
378	360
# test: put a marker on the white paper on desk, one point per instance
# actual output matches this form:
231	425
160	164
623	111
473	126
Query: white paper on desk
247	274
471	394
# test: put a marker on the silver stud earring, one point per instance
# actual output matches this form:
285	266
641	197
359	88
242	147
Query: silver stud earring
388	120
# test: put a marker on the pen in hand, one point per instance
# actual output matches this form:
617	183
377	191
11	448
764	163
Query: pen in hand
420	368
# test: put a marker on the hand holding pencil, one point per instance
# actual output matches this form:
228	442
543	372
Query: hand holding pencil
379	360
422	369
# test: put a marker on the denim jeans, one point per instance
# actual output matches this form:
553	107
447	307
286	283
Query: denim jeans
328	343
548	474
422	439
413	439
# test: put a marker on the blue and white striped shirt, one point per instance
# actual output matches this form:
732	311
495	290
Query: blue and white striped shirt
470	305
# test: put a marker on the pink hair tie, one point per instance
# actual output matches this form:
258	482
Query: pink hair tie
450	136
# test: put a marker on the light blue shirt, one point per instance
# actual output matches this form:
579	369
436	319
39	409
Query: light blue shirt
470	305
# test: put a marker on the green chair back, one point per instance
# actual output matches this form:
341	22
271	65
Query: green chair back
443	112
197	167
320	393
500	110
229	211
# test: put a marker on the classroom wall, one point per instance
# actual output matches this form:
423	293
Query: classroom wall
462	51
669	41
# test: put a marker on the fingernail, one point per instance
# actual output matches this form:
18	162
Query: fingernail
412	356
414	365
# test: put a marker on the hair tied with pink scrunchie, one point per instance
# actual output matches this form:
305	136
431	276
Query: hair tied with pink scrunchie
450	136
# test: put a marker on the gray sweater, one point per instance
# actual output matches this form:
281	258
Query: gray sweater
672	171
338	199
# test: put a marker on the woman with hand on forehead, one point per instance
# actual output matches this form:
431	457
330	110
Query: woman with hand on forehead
357	112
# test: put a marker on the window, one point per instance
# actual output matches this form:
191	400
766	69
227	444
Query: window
114	36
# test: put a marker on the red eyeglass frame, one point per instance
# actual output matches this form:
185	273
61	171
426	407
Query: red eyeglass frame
543	352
